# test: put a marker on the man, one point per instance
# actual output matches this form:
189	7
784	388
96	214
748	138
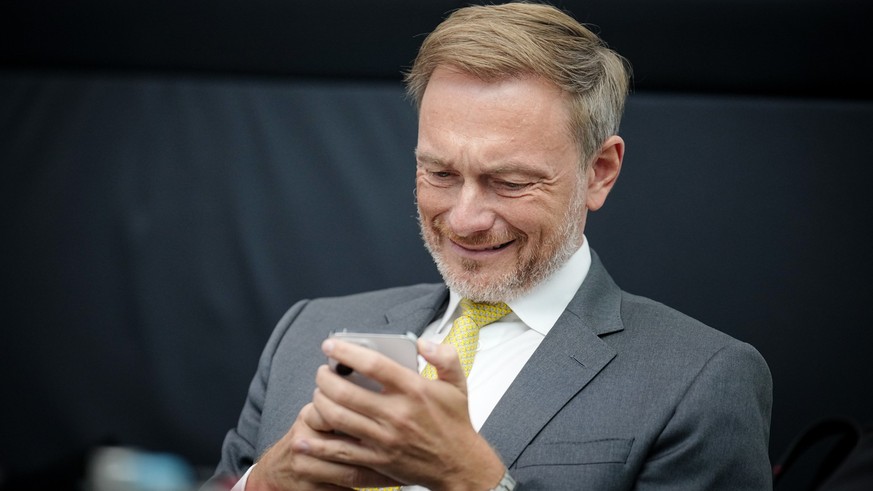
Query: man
580	385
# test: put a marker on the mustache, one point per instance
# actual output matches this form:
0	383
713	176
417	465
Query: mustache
477	239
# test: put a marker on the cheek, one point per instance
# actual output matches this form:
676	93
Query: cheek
432	201
529	218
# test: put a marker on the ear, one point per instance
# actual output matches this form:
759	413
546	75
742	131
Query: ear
603	171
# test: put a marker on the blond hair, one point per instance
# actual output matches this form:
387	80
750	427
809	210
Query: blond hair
493	42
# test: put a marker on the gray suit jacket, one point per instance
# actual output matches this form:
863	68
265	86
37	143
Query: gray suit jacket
623	393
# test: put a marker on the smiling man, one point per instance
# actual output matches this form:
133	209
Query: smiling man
498	214
538	371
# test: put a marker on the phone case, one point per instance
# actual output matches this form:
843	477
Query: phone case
399	347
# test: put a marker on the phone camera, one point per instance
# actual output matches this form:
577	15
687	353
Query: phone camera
343	370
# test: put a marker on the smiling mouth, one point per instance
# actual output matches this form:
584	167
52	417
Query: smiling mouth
477	248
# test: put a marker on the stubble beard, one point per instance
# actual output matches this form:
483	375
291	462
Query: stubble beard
473	282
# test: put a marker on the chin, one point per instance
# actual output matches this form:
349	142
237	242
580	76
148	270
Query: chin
479	286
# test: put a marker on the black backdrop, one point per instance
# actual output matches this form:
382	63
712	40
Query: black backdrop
176	174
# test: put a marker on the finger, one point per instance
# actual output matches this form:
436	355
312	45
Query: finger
328	474
288	465
346	460
445	359
313	418
344	391
341	416
267	476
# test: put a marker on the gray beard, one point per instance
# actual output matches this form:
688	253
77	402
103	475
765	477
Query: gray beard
524	277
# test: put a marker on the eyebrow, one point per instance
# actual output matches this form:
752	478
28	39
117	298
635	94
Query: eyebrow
510	167
513	167
427	158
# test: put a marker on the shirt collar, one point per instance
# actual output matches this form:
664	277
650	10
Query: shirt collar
540	308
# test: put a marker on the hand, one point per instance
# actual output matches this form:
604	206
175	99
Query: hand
416	431
289	466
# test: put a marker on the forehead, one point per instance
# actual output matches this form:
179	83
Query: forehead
515	118
528	94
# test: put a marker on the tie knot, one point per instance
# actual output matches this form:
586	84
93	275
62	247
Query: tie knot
483	314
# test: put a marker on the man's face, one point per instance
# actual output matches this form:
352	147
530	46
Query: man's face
501	197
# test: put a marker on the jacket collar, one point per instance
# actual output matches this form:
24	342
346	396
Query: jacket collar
569	357
416	314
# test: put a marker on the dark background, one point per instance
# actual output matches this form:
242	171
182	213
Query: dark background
176	173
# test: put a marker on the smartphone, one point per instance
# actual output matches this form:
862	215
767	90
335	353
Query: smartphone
399	347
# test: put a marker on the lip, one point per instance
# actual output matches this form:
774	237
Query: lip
480	252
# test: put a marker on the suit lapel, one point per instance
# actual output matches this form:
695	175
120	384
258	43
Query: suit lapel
416	314
569	357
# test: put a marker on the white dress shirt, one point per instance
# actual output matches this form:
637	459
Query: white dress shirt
506	345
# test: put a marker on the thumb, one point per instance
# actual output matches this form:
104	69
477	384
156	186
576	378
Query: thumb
445	359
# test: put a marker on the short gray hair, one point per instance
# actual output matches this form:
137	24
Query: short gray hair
520	39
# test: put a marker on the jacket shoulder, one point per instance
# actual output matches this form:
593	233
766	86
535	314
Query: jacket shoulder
378	301
662	322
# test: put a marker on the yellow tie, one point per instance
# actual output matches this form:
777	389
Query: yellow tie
464	336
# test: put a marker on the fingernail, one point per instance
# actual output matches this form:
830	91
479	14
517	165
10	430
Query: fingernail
430	347
327	347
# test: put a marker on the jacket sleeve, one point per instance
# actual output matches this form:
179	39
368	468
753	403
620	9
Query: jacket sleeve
718	436
240	443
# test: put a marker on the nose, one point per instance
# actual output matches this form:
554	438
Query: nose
472	212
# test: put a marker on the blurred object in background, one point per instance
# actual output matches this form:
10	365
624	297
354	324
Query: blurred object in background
127	469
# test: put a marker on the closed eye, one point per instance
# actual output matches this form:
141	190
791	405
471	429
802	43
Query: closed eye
511	187
441	178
